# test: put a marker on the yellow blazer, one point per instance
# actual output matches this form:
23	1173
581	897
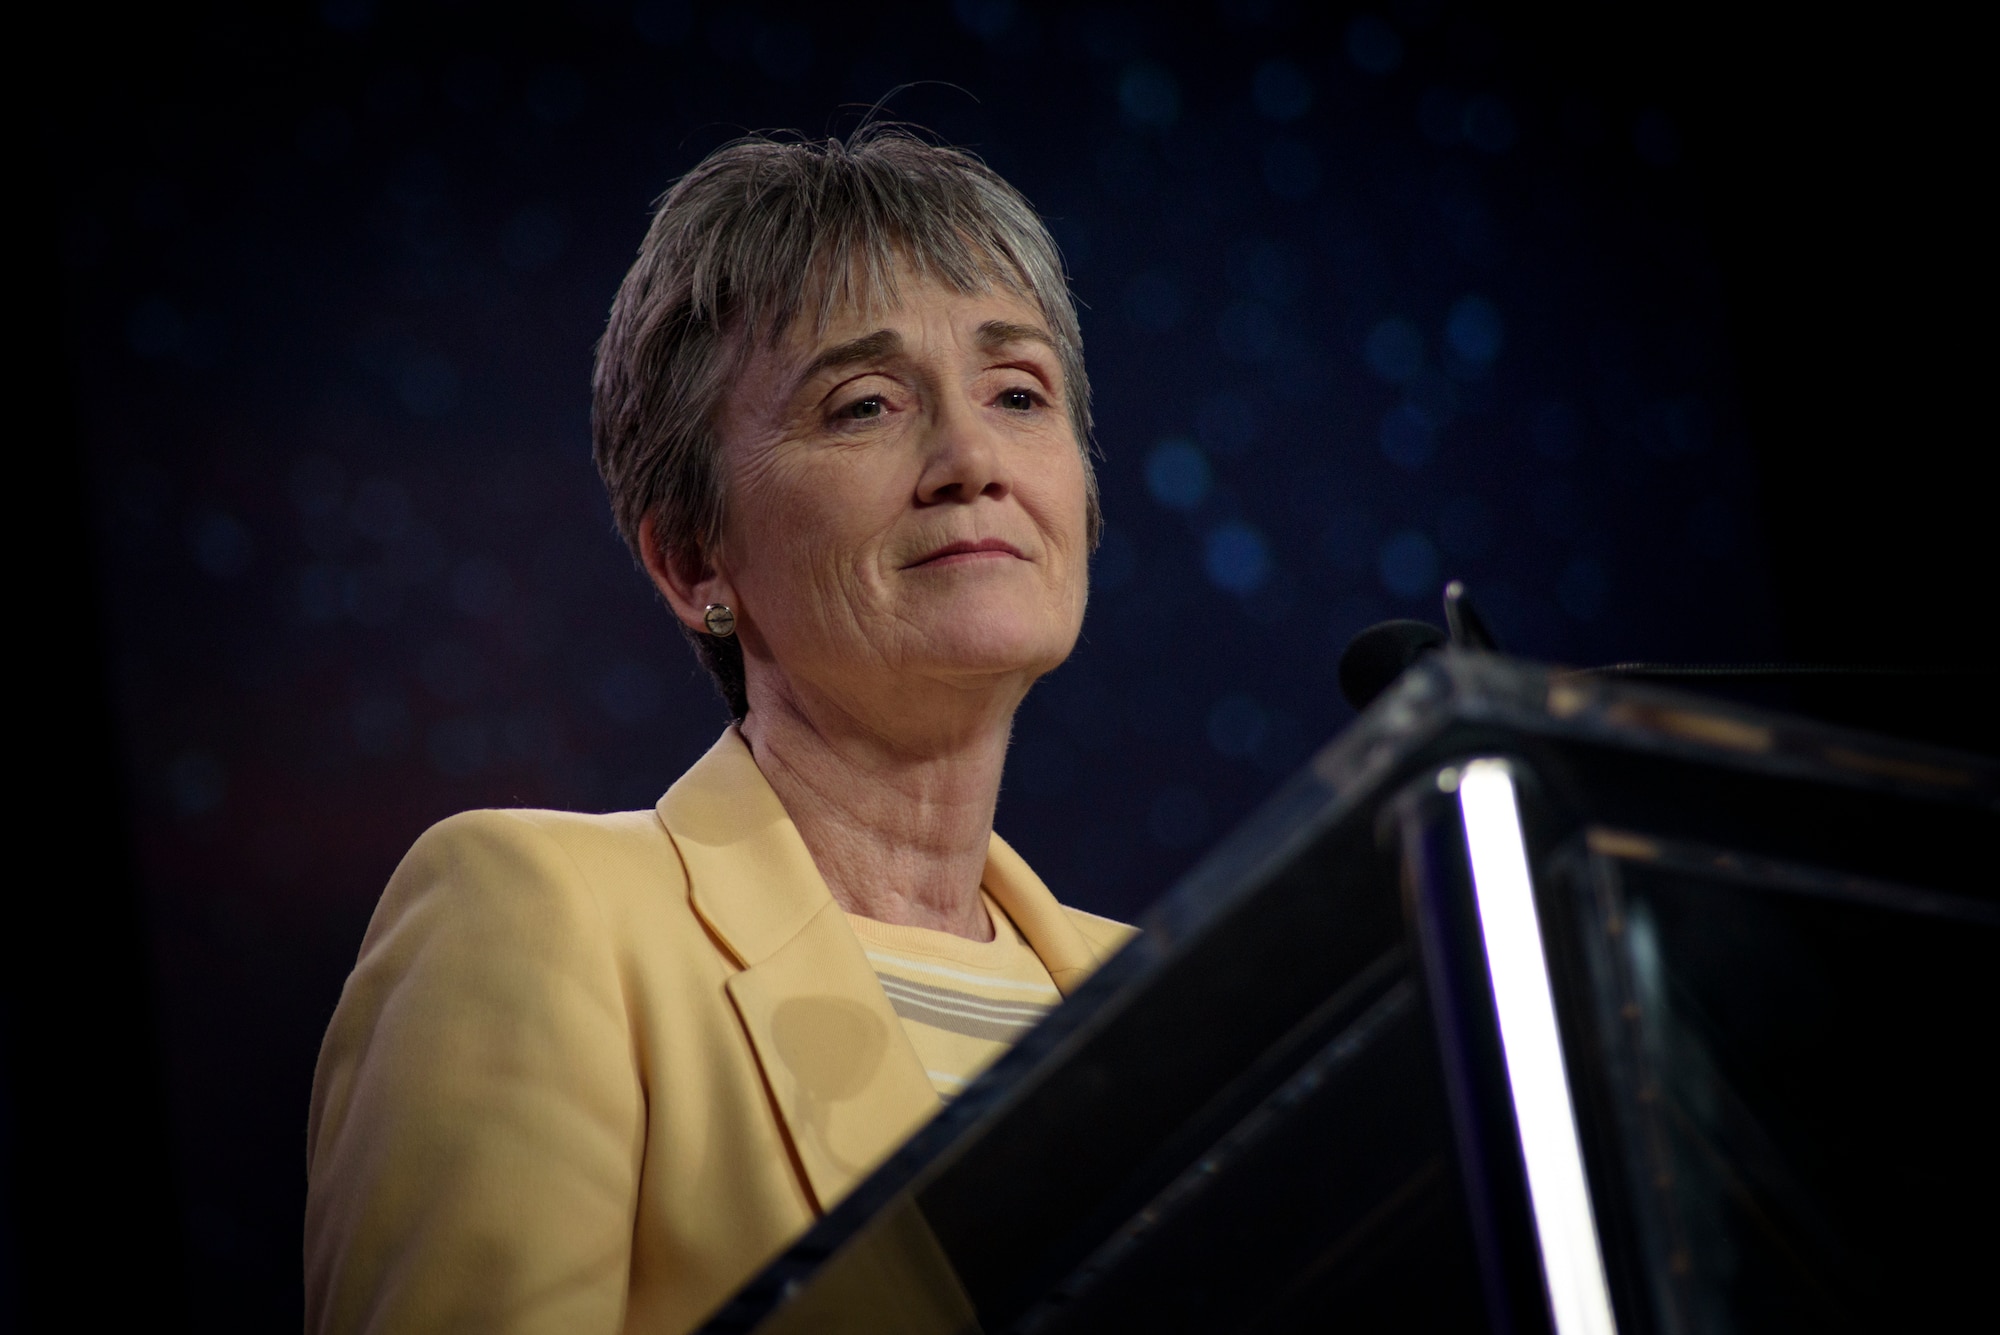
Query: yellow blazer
591	1072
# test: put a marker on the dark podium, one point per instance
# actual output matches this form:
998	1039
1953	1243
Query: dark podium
1536	1002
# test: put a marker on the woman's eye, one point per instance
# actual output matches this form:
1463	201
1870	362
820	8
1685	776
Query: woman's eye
863	408
1017	400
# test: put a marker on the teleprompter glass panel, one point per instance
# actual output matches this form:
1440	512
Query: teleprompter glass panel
1797	1062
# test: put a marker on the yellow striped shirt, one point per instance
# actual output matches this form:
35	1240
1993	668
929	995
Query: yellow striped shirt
962	1003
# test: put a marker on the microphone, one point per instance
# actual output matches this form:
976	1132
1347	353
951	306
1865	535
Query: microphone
1377	656
1373	660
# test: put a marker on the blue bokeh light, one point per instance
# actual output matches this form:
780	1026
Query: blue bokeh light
1281	90
1373	46
1474	330
1236	558
1177	474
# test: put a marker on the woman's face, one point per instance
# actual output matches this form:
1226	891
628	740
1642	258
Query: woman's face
905	500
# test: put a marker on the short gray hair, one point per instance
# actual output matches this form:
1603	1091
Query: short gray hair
766	233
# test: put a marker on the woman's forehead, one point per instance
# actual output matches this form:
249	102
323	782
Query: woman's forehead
983	314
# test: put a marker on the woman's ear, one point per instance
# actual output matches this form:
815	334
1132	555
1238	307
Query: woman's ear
685	577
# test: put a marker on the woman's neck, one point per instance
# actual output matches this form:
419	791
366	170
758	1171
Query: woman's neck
898	816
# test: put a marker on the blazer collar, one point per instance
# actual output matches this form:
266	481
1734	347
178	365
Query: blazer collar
842	1073
749	873
1063	950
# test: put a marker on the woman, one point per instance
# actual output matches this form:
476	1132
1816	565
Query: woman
591	1072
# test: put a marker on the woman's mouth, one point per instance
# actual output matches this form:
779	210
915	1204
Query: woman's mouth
963	552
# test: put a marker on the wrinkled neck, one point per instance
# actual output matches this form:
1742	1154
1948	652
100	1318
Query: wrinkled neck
895	805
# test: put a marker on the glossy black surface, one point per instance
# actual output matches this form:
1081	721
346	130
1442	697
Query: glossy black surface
1285	1106
1794	1058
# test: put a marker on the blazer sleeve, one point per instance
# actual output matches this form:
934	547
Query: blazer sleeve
477	1124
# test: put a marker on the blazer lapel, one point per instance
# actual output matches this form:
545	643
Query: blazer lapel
1063	950
838	1065
834	1054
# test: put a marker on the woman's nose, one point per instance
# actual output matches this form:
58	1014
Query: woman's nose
965	459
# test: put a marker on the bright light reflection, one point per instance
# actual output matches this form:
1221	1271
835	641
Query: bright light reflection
1572	1265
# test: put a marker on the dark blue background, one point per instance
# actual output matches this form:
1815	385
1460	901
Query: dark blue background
1370	299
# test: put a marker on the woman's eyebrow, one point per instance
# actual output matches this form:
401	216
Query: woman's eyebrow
878	346
996	334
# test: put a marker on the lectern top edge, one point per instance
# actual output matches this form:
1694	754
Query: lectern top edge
1475	688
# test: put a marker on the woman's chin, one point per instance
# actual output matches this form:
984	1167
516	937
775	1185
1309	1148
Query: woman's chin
971	649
